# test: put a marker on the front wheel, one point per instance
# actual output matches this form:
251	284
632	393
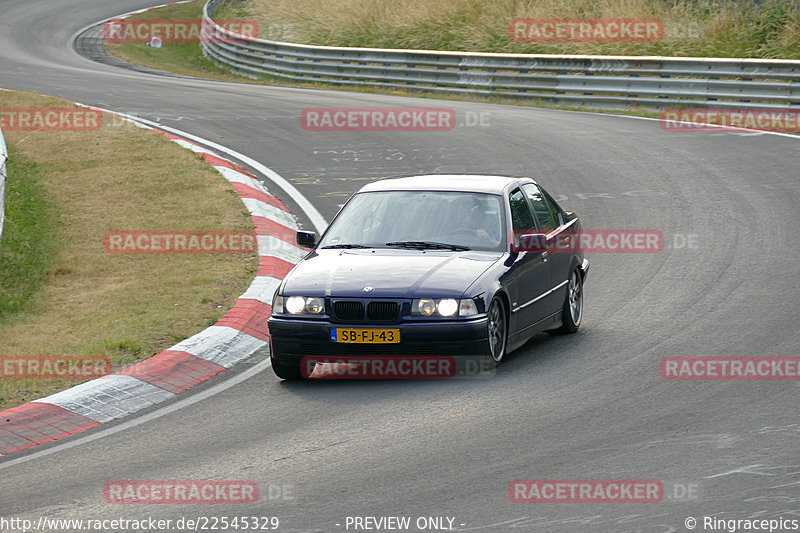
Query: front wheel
497	327
572	311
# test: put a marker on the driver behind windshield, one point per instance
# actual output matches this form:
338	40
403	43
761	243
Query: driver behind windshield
473	223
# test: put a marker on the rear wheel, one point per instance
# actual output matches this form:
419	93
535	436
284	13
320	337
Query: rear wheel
572	311
286	370
497	327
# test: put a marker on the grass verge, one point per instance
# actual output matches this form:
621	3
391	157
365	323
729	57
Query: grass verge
28	245
734	28
62	294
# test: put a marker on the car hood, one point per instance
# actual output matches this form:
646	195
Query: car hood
390	273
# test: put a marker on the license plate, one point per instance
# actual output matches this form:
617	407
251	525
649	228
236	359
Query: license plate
365	336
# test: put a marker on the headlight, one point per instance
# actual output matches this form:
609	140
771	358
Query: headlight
447	307
315	306
295	304
443	307
424	307
299	305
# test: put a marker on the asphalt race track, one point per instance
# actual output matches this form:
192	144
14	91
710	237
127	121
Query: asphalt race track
588	406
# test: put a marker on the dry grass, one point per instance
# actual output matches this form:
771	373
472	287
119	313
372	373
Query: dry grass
127	307
735	28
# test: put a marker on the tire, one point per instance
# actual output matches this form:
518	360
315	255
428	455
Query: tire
287	371
572	310
497	330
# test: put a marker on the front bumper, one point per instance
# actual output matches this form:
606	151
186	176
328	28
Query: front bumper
291	339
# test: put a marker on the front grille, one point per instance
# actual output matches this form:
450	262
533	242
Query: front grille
349	310
382	311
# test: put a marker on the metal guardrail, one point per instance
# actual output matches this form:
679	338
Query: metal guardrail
3	177
591	81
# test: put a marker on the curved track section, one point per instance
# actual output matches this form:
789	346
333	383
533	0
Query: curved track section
588	406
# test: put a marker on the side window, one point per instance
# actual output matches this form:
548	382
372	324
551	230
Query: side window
543	213
554	208
521	217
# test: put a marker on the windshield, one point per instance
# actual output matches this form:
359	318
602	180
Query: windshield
442	220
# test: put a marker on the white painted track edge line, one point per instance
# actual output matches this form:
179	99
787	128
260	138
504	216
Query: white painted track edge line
158	413
728	129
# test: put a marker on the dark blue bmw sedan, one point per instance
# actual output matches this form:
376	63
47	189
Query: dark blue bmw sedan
432	265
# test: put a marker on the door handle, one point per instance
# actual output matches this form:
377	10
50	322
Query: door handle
545	255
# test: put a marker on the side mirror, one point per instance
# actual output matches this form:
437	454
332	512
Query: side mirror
529	242
306	239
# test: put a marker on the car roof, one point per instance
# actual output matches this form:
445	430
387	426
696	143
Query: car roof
445	182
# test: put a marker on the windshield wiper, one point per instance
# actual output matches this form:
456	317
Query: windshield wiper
428	245
348	246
